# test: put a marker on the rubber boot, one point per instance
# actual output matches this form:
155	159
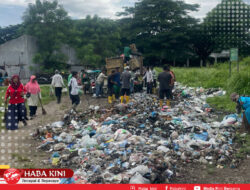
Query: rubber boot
122	99
161	103
110	99
154	90
74	107
127	99
168	103
113	97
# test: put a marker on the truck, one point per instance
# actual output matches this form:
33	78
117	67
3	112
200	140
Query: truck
136	62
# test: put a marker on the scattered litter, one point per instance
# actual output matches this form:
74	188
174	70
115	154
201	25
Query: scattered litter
139	142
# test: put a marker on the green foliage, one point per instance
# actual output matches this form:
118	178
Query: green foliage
217	76
159	28
95	39
10	32
202	43
244	142
49	23
229	24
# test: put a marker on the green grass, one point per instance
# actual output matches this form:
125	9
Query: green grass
217	76
46	98
244	143
19	157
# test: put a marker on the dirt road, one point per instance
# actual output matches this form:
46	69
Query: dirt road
19	150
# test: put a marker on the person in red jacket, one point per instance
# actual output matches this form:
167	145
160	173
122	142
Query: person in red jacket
16	108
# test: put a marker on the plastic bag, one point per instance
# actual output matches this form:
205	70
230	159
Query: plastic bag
64	90
87	142
138	179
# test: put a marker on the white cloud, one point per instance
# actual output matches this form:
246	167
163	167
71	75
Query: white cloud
205	7
81	8
108	8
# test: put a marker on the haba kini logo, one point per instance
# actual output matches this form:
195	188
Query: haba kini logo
43	173
12	176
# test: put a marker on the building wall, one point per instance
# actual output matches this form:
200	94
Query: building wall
71	55
16	56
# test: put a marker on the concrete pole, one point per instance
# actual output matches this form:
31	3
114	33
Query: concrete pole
201	63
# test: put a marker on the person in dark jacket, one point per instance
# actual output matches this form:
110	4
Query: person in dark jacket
165	85
117	86
111	84
125	78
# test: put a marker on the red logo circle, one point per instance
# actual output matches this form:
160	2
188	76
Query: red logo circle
12	176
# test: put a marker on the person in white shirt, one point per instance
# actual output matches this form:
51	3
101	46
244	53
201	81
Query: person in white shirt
99	83
58	84
75	98
149	80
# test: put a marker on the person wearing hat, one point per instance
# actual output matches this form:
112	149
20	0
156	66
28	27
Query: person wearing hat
125	79
243	103
58	84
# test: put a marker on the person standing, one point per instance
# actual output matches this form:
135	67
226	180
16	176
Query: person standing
58	84
69	79
149	80
111	84
172	81
75	98
127	52
34	91
154	79
165	89
117	86
132	80
99	83
125	78
243	103
85	81
16	107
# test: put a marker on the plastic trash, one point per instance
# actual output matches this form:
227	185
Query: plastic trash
58	124
59	146
163	149
138	179
88	142
121	134
203	136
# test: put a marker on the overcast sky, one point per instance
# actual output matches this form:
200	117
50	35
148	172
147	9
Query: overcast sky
11	11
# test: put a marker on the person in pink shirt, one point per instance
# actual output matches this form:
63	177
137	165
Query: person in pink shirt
34	91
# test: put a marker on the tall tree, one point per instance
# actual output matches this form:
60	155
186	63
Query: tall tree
9	33
202	42
159	28
49	23
95	39
229	24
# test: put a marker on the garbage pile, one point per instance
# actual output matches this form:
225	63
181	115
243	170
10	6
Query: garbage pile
140	143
